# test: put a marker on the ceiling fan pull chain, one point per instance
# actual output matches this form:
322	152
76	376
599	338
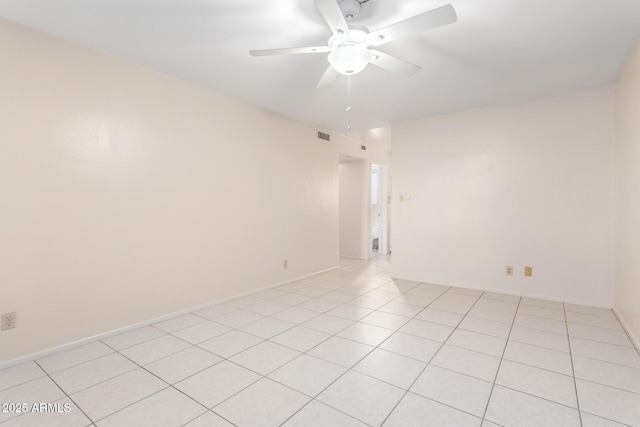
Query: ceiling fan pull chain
349	103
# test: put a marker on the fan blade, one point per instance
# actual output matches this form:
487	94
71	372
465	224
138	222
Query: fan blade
328	77
393	64
332	14
420	23
290	50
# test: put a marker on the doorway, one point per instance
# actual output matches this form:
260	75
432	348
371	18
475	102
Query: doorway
379	210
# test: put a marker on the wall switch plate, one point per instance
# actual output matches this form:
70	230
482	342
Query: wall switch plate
285	264
402	198
509	270
8	321
528	272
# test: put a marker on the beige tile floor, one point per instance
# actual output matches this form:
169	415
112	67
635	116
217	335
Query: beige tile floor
350	347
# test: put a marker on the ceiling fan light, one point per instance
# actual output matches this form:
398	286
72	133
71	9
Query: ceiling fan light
349	59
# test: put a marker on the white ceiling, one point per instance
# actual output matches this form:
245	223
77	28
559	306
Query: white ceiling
498	51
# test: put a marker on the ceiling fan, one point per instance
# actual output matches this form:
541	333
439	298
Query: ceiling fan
350	46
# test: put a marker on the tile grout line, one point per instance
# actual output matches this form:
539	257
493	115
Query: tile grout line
168	384
261	375
117	376
407	391
348	369
301	353
91	420
359	360
573	370
608	419
504	350
266	376
141	342
603	342
202	414
165	388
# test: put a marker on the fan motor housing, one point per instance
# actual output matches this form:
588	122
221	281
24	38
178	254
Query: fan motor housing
353	37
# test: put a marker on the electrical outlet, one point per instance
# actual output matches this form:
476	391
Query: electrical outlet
528	272
8	321
285	264
509	270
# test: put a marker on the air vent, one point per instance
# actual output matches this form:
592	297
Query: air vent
325	136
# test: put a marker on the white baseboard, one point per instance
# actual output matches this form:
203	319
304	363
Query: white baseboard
625	325
104	335
576	301
353	257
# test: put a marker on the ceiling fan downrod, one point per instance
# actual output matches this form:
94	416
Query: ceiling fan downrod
349	103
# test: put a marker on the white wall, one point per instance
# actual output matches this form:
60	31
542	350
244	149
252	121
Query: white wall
627	196
126	194
528	183
354	209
